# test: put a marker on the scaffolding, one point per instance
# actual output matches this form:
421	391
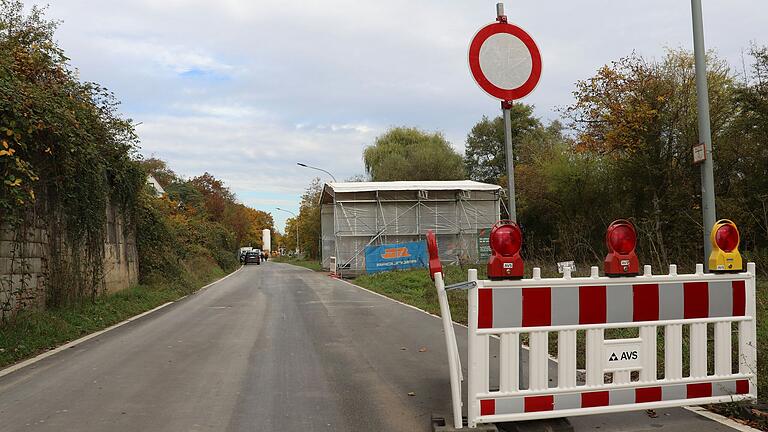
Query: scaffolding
355	215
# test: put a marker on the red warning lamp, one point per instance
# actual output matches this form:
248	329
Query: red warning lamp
435	266
725	256
505	261
621	239
727	237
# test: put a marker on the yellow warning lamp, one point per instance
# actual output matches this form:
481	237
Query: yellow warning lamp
725	256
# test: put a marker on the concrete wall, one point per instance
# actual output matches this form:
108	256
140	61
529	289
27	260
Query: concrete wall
25	257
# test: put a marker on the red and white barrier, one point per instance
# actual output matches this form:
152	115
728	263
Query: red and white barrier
620	374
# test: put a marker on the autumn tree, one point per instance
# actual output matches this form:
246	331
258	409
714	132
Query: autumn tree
411	154
215	193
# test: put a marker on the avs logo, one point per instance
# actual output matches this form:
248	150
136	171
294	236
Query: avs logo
399	252
625	355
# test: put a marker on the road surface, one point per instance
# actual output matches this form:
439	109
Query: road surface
271	348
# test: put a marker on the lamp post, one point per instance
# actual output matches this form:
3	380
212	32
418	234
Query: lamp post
705	135
297	227
316	168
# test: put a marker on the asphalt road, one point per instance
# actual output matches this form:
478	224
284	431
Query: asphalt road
272	348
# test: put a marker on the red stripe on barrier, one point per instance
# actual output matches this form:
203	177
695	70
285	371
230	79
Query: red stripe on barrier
487	407
695	300
595	399
742	387
739	298
537	309
539	403
485	308
699	390
645	302
592	304
647	394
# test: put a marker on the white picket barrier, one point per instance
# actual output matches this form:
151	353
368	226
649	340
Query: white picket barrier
619	374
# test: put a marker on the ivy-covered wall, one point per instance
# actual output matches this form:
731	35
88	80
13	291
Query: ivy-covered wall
25	261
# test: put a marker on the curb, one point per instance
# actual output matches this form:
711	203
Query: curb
13	368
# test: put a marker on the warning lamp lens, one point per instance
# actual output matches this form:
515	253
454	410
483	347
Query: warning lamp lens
622	239
506	240
727	238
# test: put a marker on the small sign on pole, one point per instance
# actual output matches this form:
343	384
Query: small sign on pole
562	265
699	153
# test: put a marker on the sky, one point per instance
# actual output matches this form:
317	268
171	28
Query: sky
245	89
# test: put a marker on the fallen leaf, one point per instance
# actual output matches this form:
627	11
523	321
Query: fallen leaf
411	394
423	349
651	413
403	348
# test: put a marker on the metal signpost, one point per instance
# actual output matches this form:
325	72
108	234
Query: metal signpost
506	63
705	135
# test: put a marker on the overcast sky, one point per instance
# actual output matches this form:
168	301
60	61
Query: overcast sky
244	89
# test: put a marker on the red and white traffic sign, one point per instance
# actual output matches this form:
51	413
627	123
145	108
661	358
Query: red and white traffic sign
505	61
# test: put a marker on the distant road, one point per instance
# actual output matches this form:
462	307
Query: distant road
272	348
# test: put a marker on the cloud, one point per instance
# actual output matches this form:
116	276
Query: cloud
245	89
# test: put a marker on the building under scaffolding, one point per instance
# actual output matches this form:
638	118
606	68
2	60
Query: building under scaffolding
356	215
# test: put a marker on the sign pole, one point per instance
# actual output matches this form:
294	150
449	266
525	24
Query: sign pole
705	135
506	63
506	108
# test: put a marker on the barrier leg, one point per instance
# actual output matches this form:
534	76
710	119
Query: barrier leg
698	350
673	351
450	346
538	361
648	335
723	348
509	362
566	359
477	357
594	357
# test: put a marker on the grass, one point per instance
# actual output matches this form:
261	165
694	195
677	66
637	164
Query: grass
416	288
33	332
310	264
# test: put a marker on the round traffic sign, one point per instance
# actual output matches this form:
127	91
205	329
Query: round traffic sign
504	61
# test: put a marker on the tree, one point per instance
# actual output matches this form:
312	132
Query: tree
411	154
485	153
307	222
638	119
742	168
216	195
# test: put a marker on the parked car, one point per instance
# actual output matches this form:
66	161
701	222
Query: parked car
252	257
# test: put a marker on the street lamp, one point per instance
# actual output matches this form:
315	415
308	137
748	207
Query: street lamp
297	227
316	168
705	134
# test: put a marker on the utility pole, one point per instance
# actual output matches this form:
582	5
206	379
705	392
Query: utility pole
506	108
705	134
